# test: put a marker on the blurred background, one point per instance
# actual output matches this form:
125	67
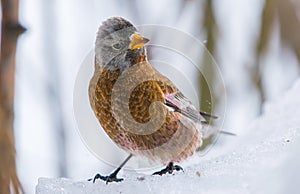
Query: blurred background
255	43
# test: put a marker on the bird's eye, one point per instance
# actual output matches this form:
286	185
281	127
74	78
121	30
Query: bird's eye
117	46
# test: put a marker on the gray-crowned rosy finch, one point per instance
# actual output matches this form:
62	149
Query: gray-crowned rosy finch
140	109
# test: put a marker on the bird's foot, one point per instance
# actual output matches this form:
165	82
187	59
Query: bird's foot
110	178
169	169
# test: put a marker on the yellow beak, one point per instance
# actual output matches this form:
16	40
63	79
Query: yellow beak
137	41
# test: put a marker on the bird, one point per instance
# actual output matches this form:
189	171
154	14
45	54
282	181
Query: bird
139	108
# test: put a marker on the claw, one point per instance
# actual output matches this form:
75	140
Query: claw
111	178
178	168
169	169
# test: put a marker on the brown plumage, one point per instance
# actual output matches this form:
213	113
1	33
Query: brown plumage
141	110
188	138
176	139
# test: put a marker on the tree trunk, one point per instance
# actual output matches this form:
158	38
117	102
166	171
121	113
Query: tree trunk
10	30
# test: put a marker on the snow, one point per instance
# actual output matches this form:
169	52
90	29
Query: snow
263	158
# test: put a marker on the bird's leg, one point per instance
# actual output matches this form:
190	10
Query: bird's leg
113	176
169	169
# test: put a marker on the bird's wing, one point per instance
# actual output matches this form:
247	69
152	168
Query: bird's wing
177	102
161	89
181	104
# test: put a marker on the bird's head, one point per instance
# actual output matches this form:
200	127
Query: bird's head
118	43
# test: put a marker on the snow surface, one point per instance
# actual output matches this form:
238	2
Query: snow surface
263	158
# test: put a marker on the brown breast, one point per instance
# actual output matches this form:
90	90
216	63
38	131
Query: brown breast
129	107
